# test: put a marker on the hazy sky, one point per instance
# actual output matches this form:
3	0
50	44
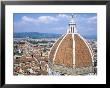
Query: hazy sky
55	22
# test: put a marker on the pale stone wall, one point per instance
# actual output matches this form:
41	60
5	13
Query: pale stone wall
61	70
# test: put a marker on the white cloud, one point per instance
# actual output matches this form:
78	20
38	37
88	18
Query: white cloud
85	19
28	19
41	19
63	16
92	19
46	19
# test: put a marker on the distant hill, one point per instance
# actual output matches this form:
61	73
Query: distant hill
90	37
36	35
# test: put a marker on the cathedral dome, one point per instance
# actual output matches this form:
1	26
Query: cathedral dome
71	51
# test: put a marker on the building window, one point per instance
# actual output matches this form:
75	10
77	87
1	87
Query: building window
71	29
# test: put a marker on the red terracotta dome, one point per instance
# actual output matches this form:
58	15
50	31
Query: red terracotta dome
71	50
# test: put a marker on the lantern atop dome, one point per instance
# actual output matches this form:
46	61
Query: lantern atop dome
72	25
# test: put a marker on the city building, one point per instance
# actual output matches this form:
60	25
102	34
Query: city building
71	54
